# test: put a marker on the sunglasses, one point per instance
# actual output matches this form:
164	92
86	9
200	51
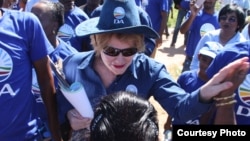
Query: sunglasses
230	19
115	52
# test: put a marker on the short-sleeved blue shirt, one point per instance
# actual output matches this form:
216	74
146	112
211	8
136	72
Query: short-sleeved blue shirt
229	54
22	41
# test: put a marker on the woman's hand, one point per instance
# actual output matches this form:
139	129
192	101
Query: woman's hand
76	121
226	81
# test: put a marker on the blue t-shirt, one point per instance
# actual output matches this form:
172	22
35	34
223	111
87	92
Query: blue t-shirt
229	54
57	56
144	76
202	23
190	82
154	9
185	4
66	31
22	41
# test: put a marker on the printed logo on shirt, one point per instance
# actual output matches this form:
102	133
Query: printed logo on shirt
119	13
205	28
244	91
65	32
6	65
243	105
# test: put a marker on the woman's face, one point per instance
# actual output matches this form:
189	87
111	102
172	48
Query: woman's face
228	22
118	55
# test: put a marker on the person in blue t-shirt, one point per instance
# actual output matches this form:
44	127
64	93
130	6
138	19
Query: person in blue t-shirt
239	101
194	79
198	22
51	16
73	16
158	12
23	46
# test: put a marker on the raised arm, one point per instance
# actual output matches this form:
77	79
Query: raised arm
226	81
188	22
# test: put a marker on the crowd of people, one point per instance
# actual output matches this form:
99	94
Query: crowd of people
108	47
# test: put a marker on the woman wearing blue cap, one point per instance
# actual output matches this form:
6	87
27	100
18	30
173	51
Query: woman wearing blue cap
116	64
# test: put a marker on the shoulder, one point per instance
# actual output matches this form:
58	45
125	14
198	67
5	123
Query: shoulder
142	61
64	45
228	54
20	16
79	12
77	58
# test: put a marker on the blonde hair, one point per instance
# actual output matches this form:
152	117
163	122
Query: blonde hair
100	41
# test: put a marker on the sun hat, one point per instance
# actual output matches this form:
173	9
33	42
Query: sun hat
211	49
117	16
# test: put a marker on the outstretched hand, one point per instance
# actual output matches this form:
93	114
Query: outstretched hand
227	80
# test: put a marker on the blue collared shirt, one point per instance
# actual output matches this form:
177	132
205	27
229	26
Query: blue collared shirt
145	76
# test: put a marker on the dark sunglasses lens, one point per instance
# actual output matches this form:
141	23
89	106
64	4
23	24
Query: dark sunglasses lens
111	51
129	51
231	19
115	52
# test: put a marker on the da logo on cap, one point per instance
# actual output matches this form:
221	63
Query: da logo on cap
119	13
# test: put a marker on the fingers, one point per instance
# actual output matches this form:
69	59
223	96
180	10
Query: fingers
239	68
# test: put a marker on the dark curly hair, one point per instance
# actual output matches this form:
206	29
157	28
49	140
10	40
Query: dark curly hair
124	116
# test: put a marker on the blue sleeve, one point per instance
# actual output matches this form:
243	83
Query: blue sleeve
229	54
179	104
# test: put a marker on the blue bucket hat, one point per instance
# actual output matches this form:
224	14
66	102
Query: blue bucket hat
117	16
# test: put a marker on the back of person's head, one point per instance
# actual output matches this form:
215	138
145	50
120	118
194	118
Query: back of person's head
240	15
52	12
124	116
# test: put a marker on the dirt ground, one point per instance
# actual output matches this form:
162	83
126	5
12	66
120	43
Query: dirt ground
173	58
